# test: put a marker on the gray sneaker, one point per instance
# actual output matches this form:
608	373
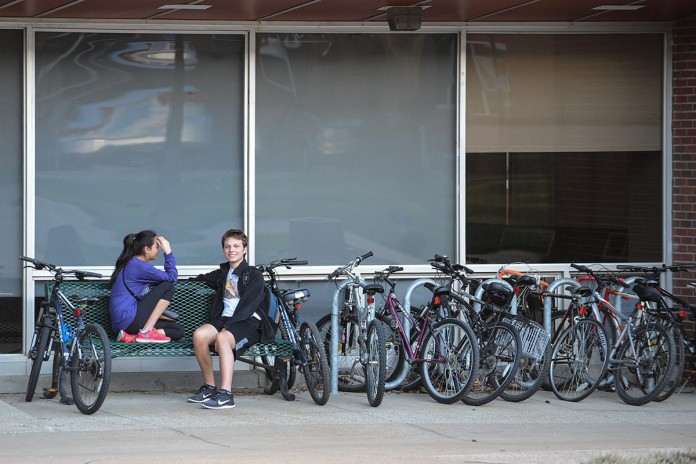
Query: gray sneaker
222	399
203	393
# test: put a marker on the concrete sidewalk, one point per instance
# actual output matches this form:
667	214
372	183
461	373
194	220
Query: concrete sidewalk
156	427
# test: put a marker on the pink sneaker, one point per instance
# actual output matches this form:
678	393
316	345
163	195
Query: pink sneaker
125	337
151	336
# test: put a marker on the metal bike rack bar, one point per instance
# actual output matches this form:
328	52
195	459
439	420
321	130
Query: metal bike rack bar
335	318
547	301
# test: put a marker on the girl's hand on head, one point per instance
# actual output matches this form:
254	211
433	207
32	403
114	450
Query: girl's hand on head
164	244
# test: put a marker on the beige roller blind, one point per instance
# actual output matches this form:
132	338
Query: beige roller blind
563	93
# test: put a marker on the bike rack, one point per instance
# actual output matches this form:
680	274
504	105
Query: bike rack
547	301
335	318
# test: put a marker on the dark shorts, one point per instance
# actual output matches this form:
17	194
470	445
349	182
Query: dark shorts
246	333
161	291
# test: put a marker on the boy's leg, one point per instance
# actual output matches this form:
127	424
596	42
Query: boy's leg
203	337
224	344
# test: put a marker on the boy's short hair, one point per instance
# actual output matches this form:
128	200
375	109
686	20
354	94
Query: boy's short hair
235	233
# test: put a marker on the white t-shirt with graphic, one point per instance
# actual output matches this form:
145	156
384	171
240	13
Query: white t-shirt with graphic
231	298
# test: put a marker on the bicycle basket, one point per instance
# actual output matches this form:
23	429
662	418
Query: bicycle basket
534	336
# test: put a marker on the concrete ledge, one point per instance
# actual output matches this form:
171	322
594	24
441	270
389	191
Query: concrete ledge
143	381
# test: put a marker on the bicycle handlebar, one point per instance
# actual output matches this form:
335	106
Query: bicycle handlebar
40	265
600	278
656	270
346	269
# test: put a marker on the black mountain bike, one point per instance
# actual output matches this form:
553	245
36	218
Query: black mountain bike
309	354
80	349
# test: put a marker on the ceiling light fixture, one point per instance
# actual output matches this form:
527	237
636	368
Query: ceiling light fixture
184	6
618	7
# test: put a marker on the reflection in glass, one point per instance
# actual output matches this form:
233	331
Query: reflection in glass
355	147
137	131
11	184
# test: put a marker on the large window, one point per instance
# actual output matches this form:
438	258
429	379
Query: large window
564	159
11	130
356	146
137	131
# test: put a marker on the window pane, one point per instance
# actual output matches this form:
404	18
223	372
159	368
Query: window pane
563	160
137	131
11	198
355	146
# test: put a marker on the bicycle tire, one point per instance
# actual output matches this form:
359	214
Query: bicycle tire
375	369
531	375
678	371
39	355
579	360
316	370
500	353
450	360
90	368
351	371
639	380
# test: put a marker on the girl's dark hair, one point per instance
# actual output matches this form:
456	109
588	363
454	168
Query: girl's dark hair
133	245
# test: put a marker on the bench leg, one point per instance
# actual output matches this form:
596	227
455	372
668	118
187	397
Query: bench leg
283	379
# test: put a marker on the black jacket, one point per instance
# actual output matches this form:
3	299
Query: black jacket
251	296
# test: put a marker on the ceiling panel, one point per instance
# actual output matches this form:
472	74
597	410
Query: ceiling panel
470	11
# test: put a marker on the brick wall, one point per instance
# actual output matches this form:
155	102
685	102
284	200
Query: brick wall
684	155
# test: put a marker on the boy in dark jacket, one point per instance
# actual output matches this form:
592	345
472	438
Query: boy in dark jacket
237	319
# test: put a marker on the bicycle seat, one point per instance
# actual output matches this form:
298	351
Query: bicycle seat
647	293
582	292
526	281
373	288
292	297
497	293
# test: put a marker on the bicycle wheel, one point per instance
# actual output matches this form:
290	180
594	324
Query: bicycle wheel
38	353
678	371
351	371
579	360
533	371
450	360
644	364
316	365
90	368
375	369
500	352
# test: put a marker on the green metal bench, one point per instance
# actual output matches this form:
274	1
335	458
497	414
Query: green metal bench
191	301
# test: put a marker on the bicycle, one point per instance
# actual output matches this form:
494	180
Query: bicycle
525	309
80	349
361	350
309	354
642	356
673	312
499	343
445	349
580	354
